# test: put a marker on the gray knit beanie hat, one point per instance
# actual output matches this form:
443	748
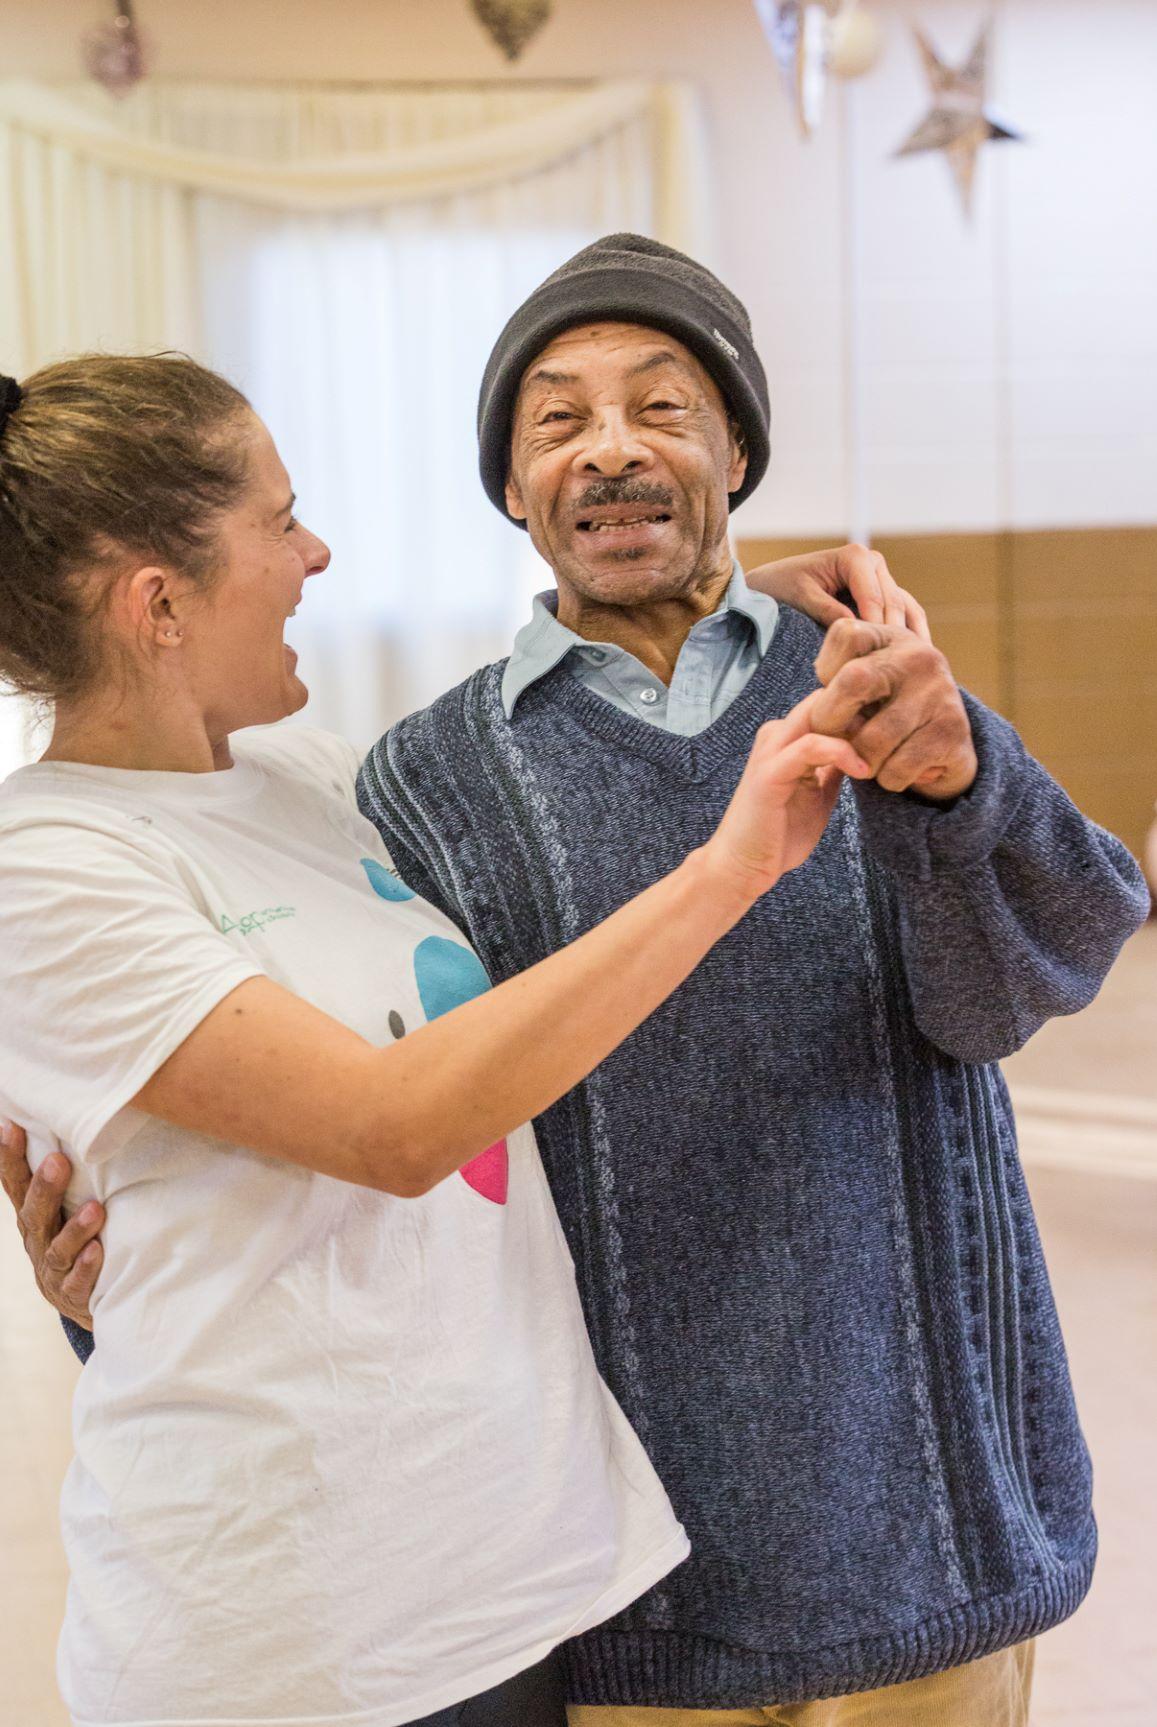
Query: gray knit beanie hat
632	280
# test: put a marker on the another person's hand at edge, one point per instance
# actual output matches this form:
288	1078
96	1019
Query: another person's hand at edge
812	582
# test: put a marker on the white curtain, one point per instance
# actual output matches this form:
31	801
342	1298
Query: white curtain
347	257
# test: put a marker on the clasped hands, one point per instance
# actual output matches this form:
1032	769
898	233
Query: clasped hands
892	695
886	688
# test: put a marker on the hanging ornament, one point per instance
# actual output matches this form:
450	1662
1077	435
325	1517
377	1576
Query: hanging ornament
959	122
798	33
812	38
512	23
114	54
857	41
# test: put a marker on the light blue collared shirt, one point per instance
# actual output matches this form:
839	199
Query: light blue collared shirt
715	662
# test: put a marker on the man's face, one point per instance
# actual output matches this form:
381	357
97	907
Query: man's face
622	457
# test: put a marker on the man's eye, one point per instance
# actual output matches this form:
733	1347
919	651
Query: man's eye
557	414
653	405
291	524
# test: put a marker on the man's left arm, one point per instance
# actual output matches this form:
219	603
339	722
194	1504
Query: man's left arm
1012	905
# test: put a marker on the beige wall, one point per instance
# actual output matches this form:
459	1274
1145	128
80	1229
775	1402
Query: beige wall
1058	631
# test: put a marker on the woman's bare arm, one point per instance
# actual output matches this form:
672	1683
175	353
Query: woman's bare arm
267	1070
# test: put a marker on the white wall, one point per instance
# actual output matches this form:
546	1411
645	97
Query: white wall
925	373
1009	367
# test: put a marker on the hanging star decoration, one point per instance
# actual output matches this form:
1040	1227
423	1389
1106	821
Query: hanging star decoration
512	23
959	122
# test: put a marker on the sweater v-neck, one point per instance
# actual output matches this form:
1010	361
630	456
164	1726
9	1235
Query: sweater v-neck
770	692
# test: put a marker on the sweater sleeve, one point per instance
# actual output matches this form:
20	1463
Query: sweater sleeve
81	1340
386	797
1012	905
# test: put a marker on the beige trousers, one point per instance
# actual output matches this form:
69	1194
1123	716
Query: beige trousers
992	1692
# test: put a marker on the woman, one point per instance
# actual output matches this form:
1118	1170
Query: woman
342	1454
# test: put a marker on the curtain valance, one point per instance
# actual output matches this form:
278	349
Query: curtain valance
510	135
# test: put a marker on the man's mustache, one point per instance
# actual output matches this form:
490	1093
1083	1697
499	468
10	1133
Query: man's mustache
600	493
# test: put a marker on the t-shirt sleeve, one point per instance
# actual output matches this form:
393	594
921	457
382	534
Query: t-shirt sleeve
107	964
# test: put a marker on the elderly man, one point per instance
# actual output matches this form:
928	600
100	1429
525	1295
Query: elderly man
804	1245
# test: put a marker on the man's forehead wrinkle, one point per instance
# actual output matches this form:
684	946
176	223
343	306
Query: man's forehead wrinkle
553	379
665	357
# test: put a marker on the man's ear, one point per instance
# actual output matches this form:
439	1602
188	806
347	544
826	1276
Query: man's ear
738	468
514	503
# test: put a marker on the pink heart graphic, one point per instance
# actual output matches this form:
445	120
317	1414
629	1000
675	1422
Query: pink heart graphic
488	1173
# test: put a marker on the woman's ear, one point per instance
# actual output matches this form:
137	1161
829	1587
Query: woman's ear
152	606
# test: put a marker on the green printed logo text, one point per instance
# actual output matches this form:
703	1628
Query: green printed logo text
255	920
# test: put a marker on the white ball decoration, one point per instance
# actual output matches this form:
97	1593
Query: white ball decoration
857	40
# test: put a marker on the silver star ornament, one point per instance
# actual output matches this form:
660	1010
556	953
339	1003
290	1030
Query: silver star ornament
959	121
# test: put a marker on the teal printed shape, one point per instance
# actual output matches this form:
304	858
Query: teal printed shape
447	974
385	885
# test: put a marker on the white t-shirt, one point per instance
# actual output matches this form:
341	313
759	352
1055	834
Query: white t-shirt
341	1458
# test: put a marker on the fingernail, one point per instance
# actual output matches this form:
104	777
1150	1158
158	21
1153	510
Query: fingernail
88	1254
6	1134
55	1168
88	1213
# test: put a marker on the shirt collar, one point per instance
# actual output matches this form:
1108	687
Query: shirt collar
542	643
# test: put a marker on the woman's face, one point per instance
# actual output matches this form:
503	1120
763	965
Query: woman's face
239	668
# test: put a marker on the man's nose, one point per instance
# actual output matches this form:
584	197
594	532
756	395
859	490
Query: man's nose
613	447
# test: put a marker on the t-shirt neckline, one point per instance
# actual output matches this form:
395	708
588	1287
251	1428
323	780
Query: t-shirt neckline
188	790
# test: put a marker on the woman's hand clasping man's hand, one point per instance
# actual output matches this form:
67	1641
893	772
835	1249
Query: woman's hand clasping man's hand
782	803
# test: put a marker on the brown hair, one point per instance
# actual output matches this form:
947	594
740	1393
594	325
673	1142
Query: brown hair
106	456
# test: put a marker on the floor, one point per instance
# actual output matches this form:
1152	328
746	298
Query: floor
1087	1098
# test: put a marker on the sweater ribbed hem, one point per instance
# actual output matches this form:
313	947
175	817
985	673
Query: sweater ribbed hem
664	1669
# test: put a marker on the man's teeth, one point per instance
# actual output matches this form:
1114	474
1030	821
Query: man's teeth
632	522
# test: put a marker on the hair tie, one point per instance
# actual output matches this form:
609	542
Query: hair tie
11	396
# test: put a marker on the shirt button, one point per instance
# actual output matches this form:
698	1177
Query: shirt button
648	696
596	656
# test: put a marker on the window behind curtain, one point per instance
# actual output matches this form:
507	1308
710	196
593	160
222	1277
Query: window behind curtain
360	337
362	346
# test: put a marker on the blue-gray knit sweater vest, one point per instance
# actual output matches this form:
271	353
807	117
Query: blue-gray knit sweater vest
803	1241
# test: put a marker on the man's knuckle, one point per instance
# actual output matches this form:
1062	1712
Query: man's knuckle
855	675
863	679
929	659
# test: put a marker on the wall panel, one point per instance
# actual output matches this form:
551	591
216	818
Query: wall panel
1057	630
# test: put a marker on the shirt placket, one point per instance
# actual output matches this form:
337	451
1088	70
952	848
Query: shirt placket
689	697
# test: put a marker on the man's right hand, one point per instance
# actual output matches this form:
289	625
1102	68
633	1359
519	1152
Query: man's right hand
66	1257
